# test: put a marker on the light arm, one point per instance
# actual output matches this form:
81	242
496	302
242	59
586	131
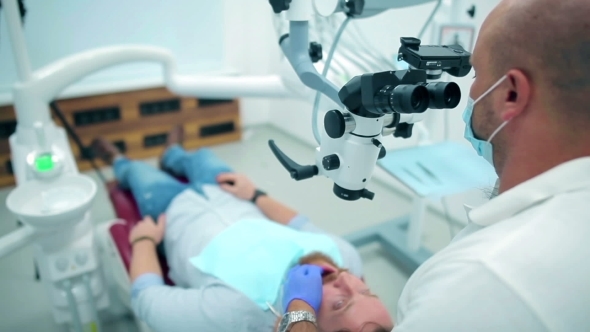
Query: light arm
295	47
144	260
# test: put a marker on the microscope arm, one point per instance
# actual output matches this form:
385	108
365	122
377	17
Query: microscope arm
32	97
295	46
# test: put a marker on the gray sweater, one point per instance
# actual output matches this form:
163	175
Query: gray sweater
200	302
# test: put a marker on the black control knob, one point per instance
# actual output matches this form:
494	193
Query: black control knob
376	142
404	130
366	194
382	153
279	5
337	124
354	7
471	11
315	52
331	162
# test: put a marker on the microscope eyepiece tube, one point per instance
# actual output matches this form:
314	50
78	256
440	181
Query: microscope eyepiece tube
443	95
403	98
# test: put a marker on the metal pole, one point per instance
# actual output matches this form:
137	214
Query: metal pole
16	239
17	37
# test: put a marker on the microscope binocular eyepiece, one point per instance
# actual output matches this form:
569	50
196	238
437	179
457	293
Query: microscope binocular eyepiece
403	98
417	98
443	95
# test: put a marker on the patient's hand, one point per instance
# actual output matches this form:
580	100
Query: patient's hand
237	184
147	228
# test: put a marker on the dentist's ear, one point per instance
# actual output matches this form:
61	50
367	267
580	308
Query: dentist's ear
518	96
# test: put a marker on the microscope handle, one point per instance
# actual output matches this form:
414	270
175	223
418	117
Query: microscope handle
298	172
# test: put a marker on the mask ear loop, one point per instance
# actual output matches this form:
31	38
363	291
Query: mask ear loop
492	88
497	131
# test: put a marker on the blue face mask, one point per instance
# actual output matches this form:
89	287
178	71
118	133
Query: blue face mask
483	148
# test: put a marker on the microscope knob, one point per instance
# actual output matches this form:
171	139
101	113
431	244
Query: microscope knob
366	194
331	162
354	7
337	124
403	130
382	153
315	52
279	5
376	143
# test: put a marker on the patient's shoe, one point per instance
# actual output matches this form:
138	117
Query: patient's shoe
105	150
175	136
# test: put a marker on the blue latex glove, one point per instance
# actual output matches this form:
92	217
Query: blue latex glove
304	282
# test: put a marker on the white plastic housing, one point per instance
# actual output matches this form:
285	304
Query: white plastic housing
300	10
326	7
55	204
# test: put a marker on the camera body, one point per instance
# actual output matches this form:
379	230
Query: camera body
435	59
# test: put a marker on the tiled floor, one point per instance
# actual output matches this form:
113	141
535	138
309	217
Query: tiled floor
23	302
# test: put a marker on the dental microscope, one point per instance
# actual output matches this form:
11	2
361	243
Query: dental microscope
374	105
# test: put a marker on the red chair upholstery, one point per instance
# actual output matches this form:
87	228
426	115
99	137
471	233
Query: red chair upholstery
126	209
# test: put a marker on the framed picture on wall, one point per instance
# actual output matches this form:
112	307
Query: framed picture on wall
452	34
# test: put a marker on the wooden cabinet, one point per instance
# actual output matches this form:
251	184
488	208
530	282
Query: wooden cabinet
136	121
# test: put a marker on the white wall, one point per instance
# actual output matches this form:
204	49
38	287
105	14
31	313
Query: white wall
191	29
251	47
206	37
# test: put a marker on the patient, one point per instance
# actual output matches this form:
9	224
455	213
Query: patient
229	247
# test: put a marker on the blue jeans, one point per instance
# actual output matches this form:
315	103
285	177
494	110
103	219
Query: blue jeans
154	189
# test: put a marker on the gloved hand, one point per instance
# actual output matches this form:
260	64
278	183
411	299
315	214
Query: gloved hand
304	282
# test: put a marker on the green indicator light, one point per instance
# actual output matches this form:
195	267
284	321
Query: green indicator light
44	163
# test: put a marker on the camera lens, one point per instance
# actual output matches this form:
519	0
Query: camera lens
444	95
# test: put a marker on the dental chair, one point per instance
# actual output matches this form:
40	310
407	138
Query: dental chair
128	215
118	251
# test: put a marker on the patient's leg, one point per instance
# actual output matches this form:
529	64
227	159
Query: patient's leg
200	167
152	189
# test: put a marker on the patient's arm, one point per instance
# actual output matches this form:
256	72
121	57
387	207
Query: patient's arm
144	238
213	307
240	186
275	210
144	260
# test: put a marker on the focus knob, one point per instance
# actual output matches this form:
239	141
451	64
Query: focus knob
354	7
315	52
403	130
337	124
279	5
331	162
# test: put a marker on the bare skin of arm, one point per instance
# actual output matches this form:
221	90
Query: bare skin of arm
145	259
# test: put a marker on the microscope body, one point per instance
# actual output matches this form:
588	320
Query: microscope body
378	105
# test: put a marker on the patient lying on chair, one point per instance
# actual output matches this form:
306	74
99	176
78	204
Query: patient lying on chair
229	248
